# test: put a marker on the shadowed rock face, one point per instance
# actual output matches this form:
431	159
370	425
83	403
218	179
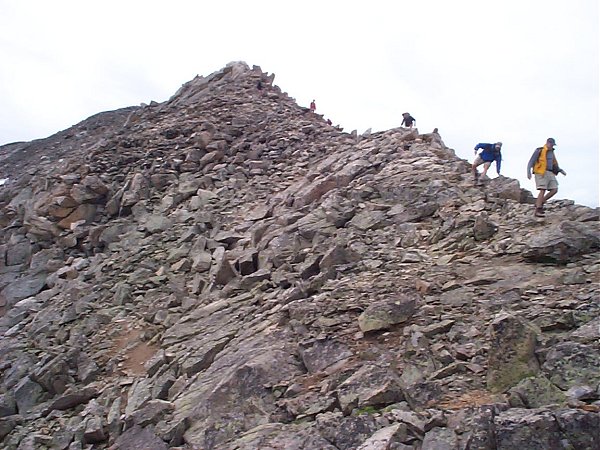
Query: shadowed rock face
512	353
226	270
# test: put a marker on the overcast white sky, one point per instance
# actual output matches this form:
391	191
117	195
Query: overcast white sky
517	71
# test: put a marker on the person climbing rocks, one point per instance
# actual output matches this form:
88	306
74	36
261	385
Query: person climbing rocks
408	120
313	106
489	154
545	168
259	87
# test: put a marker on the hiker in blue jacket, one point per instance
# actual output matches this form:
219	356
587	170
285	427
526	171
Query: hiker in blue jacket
489	154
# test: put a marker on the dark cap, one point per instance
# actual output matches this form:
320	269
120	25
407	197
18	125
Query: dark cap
551	141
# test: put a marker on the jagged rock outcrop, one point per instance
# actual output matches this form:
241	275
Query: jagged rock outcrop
225	270
562	242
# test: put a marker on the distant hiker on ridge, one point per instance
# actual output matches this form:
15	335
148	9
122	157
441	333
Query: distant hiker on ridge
408	120
545	167
489	154
259	86
313	106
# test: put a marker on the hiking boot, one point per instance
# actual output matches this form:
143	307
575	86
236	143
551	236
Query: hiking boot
539	212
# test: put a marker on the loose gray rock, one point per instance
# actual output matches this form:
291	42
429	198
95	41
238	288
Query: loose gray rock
483	228
536	429
568	364
140	438
385	314
320	354
23	288
512	352
369	386
439	439
562	243
226	269
8	406
536	392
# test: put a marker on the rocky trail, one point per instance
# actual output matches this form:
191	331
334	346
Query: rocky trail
225	270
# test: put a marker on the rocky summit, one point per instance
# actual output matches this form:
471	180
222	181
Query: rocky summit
227	270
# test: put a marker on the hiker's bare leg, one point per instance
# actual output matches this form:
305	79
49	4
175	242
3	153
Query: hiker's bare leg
540	199
551	193
486	166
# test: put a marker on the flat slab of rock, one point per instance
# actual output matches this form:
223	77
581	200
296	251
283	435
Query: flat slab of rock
385	314
138	438
22	288
562	243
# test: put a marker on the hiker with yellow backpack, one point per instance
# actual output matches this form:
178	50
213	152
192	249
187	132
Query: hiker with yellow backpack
545	168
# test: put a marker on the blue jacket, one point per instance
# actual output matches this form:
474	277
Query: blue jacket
490	154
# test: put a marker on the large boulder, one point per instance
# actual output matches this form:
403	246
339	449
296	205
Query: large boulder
90	190
234	391
22	288
512	352
155	223
535	392
579	428
388	437
82	214
440	438
279	435
369	386
542	429
320	354
8	406
139	189
507	188
385	314
562	243
483	228
345	432
570	364
18	253
531	429
41	227
222	271
140	438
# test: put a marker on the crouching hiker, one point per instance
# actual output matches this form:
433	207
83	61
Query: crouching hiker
408	120
545	168
489	154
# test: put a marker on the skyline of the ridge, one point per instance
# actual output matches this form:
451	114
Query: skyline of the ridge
516	72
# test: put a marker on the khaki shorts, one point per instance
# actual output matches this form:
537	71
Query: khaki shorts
478	161
546	181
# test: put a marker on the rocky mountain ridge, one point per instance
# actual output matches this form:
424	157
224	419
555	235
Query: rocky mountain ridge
225	270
